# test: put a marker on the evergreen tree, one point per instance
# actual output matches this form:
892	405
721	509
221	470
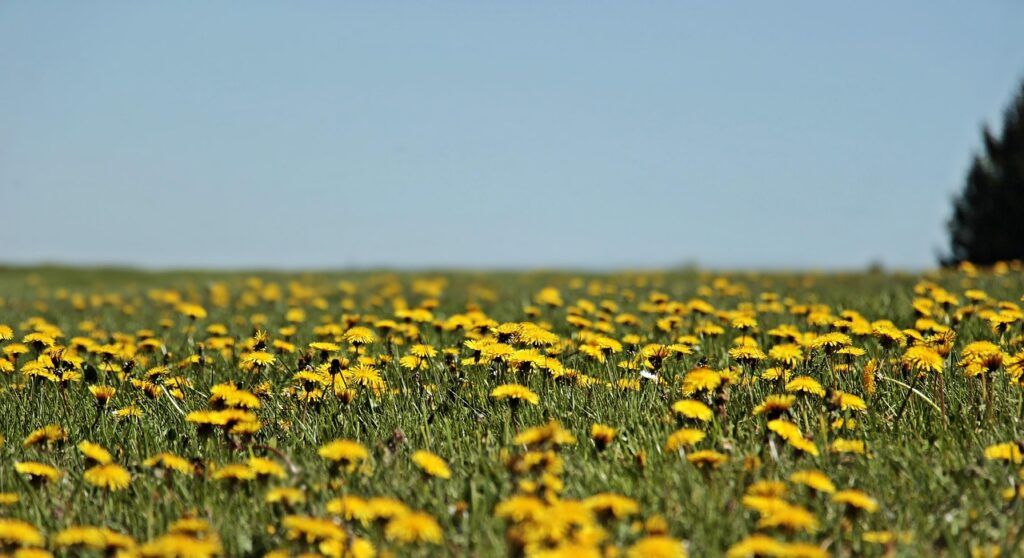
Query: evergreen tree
988	216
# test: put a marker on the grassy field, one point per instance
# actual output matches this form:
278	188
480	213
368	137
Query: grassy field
199	414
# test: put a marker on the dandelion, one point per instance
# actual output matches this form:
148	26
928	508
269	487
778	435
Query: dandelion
684	437
265	468
111	477
602	435
656	547
692	409
813	479
775	405
414	527
360	336
15	532
192	311
47	435
515	393
848	401
349	508
856	500
615	506
103	394
1010	452
285	495
805	384
344	454
94	453
169	462
38	473
707	458
840	445
922	360
550	434
431	464
701	379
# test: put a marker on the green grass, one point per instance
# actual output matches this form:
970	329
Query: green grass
927	472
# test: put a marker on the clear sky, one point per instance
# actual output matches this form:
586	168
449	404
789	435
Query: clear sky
513	134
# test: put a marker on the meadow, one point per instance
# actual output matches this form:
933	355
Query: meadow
511	414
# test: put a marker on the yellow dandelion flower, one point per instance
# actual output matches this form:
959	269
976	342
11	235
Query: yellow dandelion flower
707	458
693	409
805	384
16	532
111	477
431	464
37	472
658	546
602	435
856	499
170	462
1010	451
515	392
816	480
414	527
94	453
346	454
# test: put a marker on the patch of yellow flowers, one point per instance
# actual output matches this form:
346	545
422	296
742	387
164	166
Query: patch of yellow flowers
165	409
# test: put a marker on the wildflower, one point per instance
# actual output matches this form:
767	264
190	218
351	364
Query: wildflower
50	434
551	434
831	342
257	359
285	495
775	405
520	508
1010	452
612	505
94	453
840	445
414	527
431	464
692	409
16	532
383	508
264	468
170	462
656	547
787	516
805	384
602	435
855	499
515	393
179	545
37	472
360	336
344	454
786	354
701	379
349	508
94	538
848	401
747	354
193	311
103	394
922	359
813	479
312	529
981	356
111	477
709	458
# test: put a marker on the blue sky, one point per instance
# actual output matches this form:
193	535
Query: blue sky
496	134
